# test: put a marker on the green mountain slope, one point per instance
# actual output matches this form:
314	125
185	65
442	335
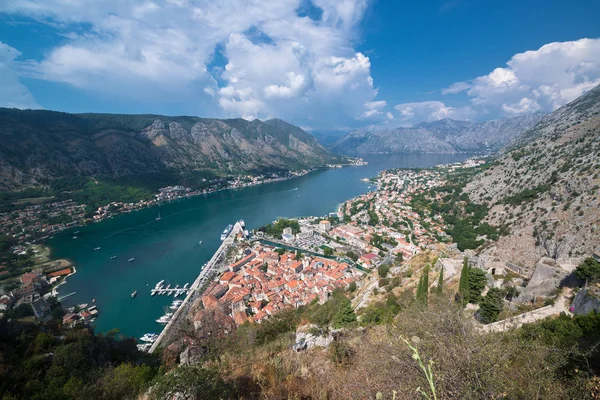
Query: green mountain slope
39	147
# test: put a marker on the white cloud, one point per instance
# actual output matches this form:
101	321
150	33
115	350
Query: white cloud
13	93
411	113
542	79
524	106
456	87
277	63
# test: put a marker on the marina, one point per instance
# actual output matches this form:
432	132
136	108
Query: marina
202	278
176	291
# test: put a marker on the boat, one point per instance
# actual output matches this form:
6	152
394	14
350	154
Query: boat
159	284
134	294
144	347
74	237
131	259
149	337
97	248
158	218
226	232
76	232
165	318
200	242
113	257
186	285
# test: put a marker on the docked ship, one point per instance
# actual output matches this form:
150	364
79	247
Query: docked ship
226	232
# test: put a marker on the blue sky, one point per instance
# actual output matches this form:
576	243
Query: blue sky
321	64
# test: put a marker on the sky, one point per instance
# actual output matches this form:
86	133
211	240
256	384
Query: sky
330	65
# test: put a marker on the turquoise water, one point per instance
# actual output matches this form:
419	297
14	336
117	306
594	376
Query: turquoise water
168	248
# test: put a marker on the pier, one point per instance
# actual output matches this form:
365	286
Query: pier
170	291
194	290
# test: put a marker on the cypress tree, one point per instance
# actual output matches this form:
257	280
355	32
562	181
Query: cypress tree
423	287
491	305
463	285
426	285
420	289
440	284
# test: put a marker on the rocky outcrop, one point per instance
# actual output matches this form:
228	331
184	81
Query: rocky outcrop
444	136
307	337
586	300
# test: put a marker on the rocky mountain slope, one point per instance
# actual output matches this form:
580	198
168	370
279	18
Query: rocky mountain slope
545	187
40	146
444	136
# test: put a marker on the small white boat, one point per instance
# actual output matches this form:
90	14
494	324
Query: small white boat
158	218
149	337
74	237
144	347
97	248
134	294
200	242
131	259
113	257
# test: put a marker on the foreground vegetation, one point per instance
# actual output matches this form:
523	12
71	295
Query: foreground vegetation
48	362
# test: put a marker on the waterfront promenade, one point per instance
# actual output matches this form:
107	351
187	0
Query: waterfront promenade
194	293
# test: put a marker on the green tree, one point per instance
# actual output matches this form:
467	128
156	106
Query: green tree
423	288
399	258
463	284
344	316
352	287
477	282
264	267
491	305
328	251
383	270
440	285
589	270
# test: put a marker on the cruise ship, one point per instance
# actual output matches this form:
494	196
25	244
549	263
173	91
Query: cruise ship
226	232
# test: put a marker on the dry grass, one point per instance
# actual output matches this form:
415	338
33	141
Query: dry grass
466	365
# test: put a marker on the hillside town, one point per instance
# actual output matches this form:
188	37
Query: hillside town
265	281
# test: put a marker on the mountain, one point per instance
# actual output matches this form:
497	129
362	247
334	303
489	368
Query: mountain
545	186
42	146
444	136
327	138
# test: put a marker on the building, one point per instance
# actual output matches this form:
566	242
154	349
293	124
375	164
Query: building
287	231
324	225
41	309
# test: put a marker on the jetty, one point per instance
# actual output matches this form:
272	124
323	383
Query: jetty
194	290
176	291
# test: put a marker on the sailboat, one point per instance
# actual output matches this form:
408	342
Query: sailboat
158	218
97	247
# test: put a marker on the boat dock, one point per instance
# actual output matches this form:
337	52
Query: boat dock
170	291
193	292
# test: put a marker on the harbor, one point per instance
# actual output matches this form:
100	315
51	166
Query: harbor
207	273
